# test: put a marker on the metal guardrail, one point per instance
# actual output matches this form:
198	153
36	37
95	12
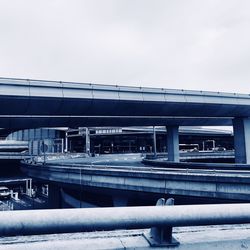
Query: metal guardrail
195	165
210	168
161	217
29	83
151	169
191	155
54	156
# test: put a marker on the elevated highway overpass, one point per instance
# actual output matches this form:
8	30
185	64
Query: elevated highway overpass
34	103
224	182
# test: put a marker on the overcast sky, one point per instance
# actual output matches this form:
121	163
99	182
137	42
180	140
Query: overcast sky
187	44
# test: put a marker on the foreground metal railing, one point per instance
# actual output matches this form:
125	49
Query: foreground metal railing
162	218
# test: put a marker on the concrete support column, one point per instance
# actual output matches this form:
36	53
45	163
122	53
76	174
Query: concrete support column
29	187
173	143
241	128
54	196
120	201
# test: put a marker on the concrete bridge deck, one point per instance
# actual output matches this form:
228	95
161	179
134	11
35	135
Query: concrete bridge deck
129	174
35	103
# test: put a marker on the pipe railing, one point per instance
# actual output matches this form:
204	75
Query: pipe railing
32	222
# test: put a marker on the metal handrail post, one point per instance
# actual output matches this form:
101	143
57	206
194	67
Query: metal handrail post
162	235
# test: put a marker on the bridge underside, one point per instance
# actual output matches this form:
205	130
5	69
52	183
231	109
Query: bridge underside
34	103
36	121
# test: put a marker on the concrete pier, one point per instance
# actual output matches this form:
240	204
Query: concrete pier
173	143
242	140
54	196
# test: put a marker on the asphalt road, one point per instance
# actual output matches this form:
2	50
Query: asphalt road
132	162
110	160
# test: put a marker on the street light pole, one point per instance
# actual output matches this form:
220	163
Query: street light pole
154	139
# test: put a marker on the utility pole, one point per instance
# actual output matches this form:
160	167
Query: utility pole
154	140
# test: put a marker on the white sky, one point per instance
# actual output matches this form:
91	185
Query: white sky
187	44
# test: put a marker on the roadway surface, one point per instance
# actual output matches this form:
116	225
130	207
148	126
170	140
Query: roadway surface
104	160
133	163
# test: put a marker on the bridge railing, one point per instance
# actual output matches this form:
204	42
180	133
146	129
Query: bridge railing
54	156
161	217
193	154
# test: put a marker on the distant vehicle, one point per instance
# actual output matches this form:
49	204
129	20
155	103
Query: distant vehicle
219	149
194	150
189	147
4	192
